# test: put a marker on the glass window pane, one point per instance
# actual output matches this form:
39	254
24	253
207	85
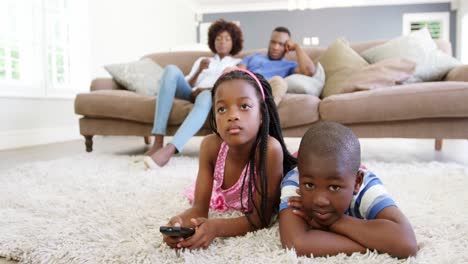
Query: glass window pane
49	60
15	75
2	52
59	60
58	33
15	65
14	53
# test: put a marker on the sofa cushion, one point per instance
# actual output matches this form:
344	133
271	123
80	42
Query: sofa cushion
339	61
303	84
294	109
141	76
385	73
404	102
126	105
431	63
459	74
298	109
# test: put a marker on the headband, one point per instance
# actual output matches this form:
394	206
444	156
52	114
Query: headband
251	75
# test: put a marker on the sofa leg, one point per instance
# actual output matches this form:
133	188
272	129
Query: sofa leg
89	143
438	144
147	140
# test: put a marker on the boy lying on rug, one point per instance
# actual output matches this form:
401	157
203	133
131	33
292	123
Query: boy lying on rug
241	165
329	205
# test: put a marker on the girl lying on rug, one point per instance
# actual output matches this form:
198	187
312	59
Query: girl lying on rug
341	207
240	167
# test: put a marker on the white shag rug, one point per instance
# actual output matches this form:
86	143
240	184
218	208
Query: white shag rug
96	208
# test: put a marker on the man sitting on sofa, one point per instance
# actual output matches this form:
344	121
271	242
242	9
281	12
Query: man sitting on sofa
274	66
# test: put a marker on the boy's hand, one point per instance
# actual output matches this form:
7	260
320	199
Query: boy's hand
205	234
296	203
309	220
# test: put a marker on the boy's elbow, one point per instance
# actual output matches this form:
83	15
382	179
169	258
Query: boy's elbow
411	249
297	245
287	242
407	249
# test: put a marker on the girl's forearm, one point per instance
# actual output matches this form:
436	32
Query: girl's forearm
192	212
230	227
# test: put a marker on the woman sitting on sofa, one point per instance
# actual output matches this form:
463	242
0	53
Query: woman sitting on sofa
225	40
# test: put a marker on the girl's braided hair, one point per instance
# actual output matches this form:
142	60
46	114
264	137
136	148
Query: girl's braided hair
270	126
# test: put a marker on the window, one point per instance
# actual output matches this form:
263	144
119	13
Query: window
463	43
39	40
16	45
57	42
203	32
438	24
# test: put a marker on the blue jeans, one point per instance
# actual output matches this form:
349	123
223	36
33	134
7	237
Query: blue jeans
174	85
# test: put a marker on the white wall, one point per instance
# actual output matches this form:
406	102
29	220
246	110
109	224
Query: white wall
119	31
462	30
125	30
33	121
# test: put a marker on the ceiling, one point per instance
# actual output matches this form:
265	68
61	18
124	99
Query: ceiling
215	6
216	2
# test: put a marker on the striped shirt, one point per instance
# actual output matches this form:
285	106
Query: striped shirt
366	204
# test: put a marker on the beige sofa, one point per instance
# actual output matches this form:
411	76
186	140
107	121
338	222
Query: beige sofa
425	110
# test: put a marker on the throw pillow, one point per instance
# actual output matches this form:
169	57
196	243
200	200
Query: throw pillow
278	88
458	74
141	76
431	63
339	62
303	84
385	73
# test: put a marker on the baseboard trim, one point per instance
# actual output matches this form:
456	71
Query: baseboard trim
39	136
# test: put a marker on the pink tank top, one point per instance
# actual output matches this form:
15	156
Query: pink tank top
223	200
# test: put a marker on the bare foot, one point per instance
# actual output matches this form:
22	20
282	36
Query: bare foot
163	155
158	144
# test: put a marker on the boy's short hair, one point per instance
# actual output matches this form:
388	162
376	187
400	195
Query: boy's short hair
330	139
283	29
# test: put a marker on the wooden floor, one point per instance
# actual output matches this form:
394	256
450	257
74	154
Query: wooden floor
387	150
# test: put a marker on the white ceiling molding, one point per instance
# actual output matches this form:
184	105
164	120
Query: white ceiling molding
216	6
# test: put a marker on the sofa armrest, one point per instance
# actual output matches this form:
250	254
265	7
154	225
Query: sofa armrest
105	84
458	74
